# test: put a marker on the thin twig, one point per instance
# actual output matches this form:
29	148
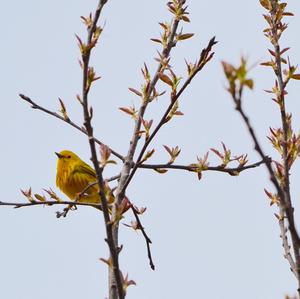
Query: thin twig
231	170
135	136
34	105
113	178
147	239
18	205
205	56
126	174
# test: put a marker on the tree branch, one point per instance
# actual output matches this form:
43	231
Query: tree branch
18	205
34	105
205	56
147	239
287	203
115	285
229	170
268	164
135	136
236	85
285	243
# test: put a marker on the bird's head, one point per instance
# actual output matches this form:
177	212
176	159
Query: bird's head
67	157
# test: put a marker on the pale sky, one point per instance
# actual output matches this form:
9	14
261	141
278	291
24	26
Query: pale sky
224	242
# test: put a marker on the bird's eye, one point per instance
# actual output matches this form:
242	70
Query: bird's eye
69	157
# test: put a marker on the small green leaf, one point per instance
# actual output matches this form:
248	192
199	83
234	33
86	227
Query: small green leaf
160	170
249	83
40	197
156	40
185	36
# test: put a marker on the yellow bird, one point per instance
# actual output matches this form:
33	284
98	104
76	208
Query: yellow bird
74	175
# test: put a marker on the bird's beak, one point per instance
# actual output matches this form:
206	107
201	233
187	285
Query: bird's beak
58	155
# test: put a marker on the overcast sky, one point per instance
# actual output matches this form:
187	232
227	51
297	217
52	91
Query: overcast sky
224	241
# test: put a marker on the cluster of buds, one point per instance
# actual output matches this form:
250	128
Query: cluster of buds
121	209
274	199
38	197
130	111
177	8
134	224
202	164
237	78
147	125
284	140
172	80
63	110
143	94
173	152
227	157
148	155
105	153
292	144
96	32
289	73
165	35
126	282
276	26
276	12
91	77
28	195
174	111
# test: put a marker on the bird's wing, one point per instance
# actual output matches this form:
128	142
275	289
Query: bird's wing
84	169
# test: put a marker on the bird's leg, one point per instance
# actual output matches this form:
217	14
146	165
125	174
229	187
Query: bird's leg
65	211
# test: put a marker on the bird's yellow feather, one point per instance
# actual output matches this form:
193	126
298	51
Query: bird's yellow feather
74	175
